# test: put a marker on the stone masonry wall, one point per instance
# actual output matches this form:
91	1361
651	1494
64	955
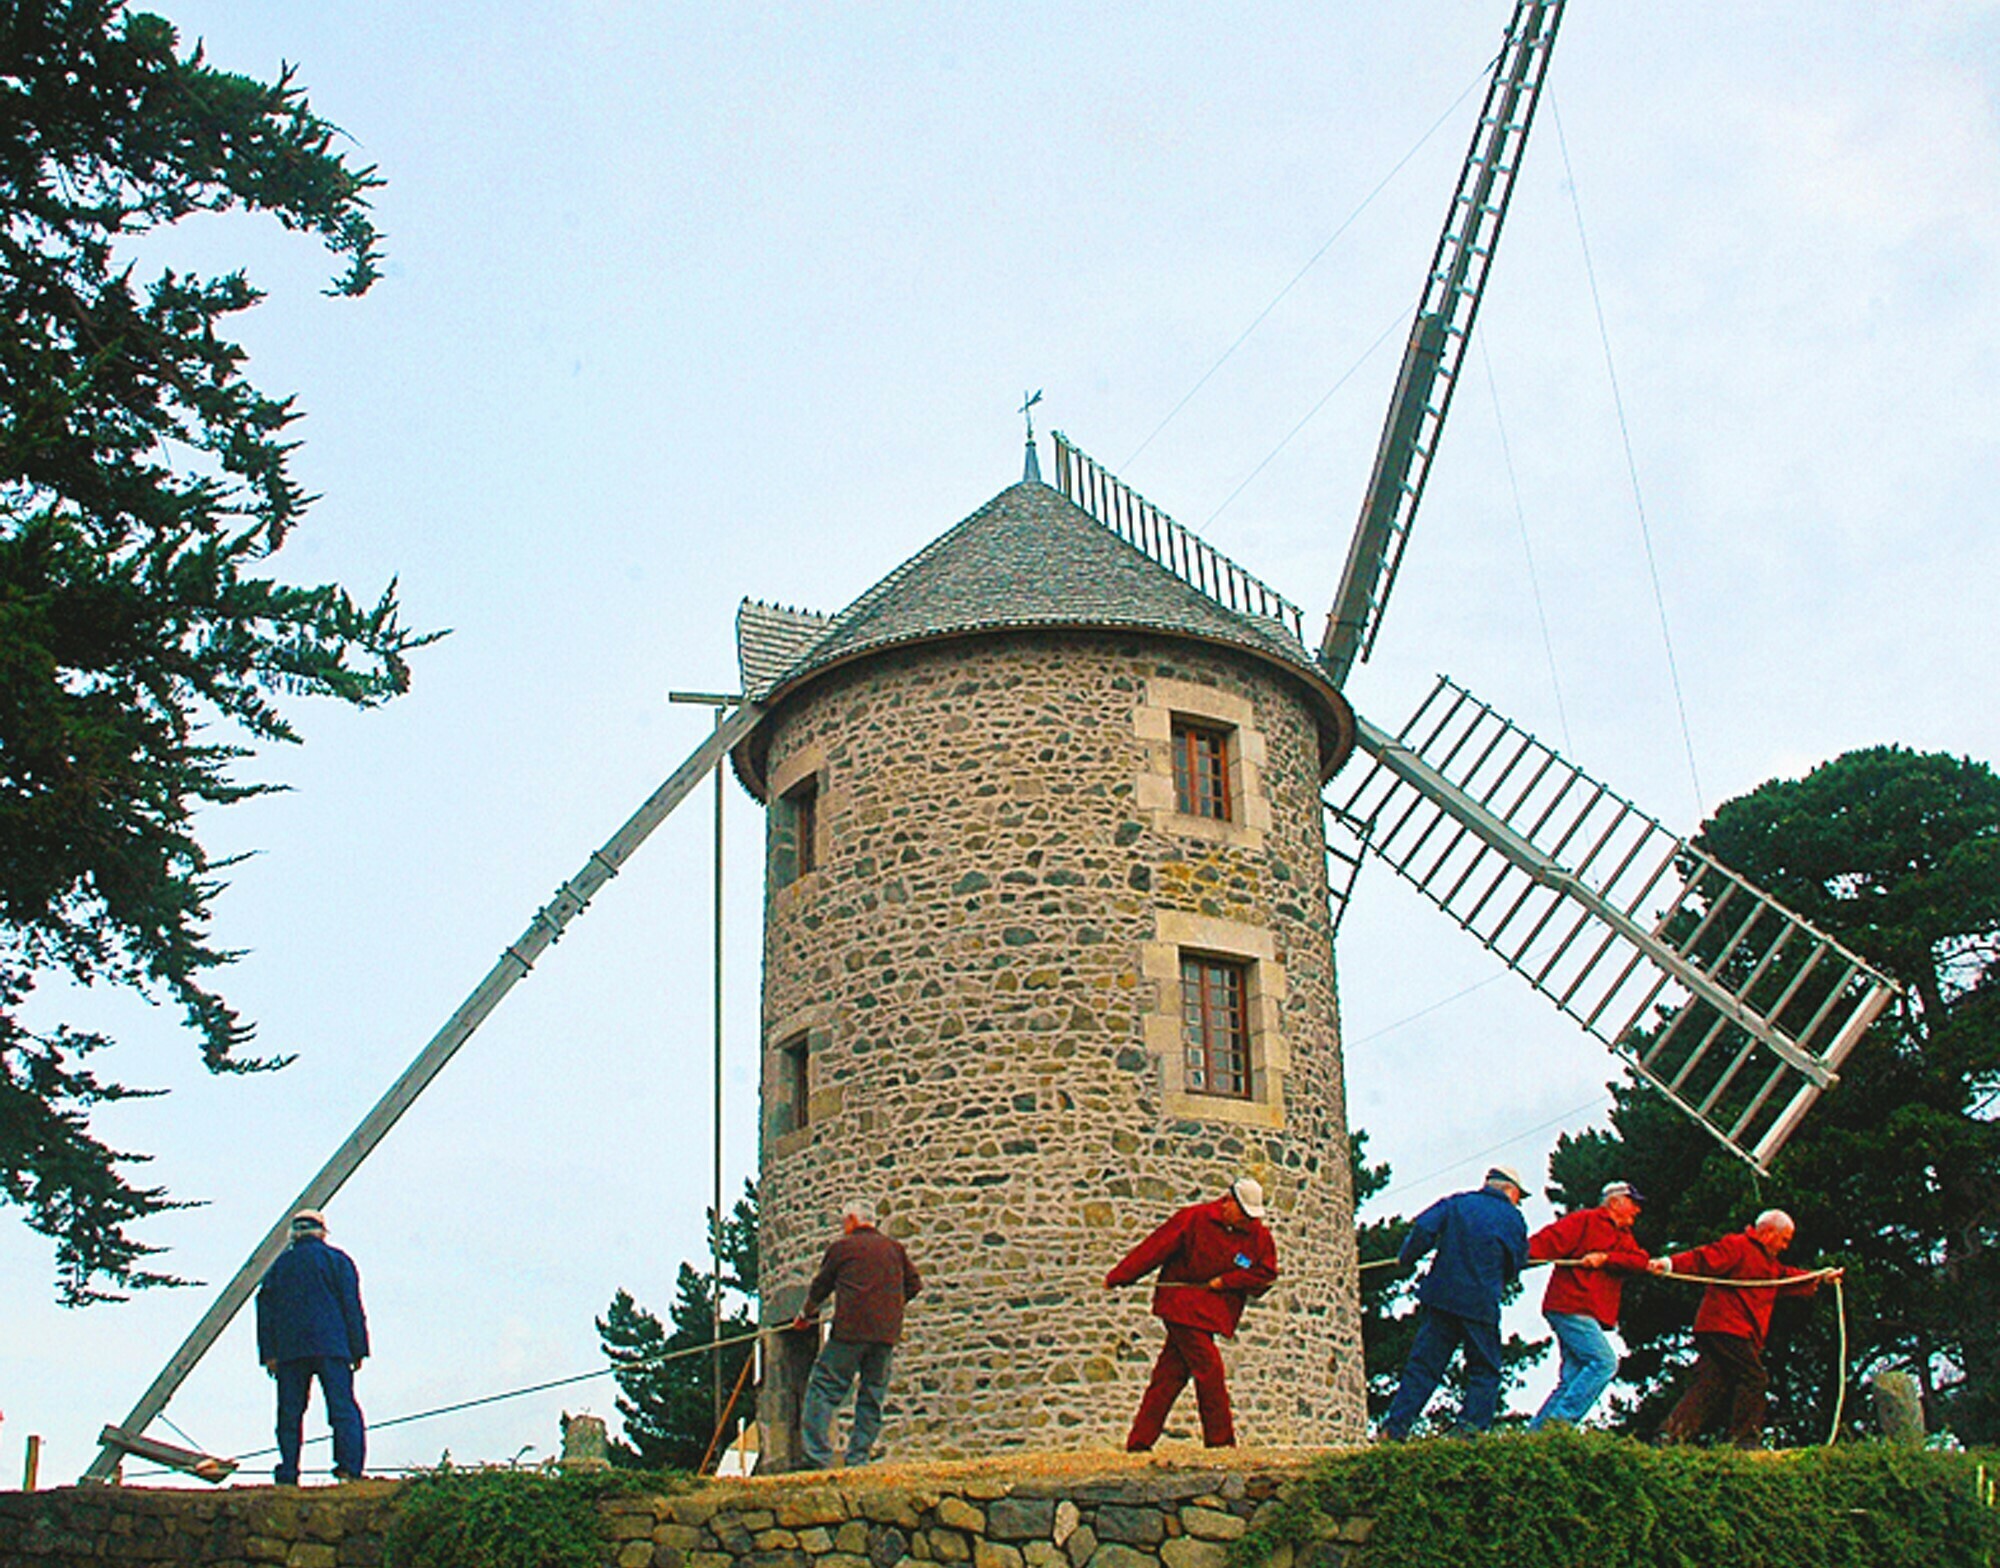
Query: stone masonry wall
1164	1518
982	972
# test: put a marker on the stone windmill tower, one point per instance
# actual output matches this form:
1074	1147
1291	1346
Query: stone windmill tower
1047	954
1048	942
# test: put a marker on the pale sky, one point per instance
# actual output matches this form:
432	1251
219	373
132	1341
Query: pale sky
686	303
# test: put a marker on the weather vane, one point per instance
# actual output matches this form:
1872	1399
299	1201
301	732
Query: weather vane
1033	467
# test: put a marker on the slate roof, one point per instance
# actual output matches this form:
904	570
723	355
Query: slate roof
1029	558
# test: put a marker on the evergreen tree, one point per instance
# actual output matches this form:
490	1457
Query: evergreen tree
143	483
1896	1171
667	1385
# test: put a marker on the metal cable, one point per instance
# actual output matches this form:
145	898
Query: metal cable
1631	465
1346	224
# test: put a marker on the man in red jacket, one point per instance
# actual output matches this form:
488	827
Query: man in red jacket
1212	1257
1730	1326
1593	1251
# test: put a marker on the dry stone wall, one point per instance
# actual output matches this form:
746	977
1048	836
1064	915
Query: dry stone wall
1156	1518
972	1019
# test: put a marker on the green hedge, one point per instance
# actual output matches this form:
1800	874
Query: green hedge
1556	1499
509	1518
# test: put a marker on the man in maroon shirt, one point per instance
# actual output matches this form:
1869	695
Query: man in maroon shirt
1593	1251
869	1276
1212	1257
1730	1326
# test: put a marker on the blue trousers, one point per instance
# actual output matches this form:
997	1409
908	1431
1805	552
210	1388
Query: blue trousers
1588	1365
840	1364
336	1383
1439	1334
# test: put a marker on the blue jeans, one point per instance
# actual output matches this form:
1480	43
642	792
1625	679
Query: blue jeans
840	1363
336	1382
1588	1365
1439	1333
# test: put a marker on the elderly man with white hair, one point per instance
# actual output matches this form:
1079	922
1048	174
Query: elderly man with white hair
870	1277
1730	1326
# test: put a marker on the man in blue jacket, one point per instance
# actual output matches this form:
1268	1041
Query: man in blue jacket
310	1325
1482	1245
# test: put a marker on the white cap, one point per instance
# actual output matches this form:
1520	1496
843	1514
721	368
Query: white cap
1249	1196
1510	1176
309	1222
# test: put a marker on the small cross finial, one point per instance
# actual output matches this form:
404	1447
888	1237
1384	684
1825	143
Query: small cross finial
1033	468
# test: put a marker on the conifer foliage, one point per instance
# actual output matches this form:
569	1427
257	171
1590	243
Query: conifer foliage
144	485
667	1387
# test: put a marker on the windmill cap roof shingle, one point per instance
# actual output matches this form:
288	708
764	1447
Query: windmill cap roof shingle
1027	559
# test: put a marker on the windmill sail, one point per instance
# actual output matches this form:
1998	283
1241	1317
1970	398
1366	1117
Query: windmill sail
1450	305
1730	1005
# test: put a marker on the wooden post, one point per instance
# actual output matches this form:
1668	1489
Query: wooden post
32	1472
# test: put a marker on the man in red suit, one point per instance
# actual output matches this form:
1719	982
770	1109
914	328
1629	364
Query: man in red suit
1730	1326
1212	1257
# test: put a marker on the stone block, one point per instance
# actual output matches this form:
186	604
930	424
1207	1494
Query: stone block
1357	1529
1133	1526
710	1560
776	1541
851	1539
626	1527
1188	1552
947	1546
957	1514
265	1549
986	1488
817	1506
1116	1554
992	1554
637	1553
312	1554
669	1556
1081	1544
1068	1517
815	1541
887	1544
1043	1554
896	1508
1212	1524
1022	1518
755	1519
683	1537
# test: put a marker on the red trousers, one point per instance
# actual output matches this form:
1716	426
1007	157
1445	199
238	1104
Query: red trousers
1188	1353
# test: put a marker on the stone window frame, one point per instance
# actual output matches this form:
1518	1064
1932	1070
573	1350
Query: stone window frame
1177	934
1206	707
1232	1012
1197	748
786	1130
805	769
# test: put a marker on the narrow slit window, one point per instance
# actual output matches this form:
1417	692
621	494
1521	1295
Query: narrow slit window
795	849
1215	1025
1201	770
795	1082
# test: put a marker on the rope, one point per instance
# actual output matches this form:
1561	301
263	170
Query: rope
1839	1307
638	1364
